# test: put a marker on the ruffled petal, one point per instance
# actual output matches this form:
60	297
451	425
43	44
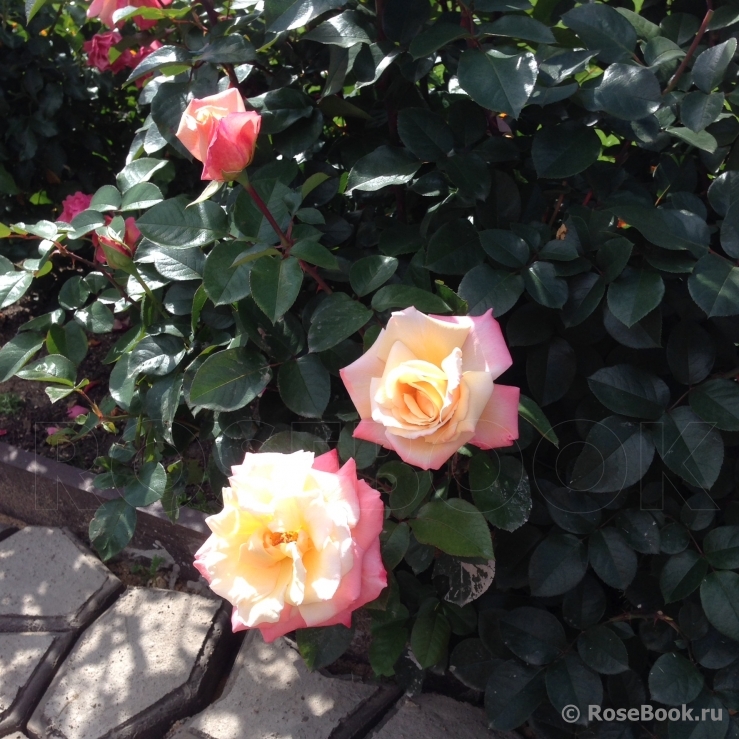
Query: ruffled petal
425	455
498	424
372	431
358	375
328	462
231	146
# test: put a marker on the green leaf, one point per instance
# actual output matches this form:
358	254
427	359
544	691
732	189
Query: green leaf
284	15
647	334
386	165
530	411
275	284
544	286
108	197
287	442
16	352
714	285
710	66
557	565
484	288
69	341
550	370
172	223
464	583
724	192
634	294
626	91
155	355
717	402
224	283
410	487
604	29
305	386
314	253
403	296
364	452
394	541
533	634
564	150
161	58
148	485
570	683
137	171
434	38
229	380
512	694
691	353
281	108
602	650
33	7
53	368
497	81
471	663
232	49
388	643
673	680
630	391
430	638
617	453
341	30
369	273
702	140
698	110
425	134
612	558
730	231
469	173
320	646
454	526
500	489
112	527
691	448
720	601
13	286
585	295
613	256
97	318
335	319
681	575
505	247
721	547
251	222
141	195
519	27
454	249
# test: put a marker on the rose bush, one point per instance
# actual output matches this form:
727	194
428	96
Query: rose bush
412	210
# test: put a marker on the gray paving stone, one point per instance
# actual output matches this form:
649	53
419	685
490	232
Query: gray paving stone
141	665
50	582
20	655
17	735
431	716
270	693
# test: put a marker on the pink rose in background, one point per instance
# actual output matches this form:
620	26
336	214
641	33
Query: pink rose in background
219	132
73	205
296	544
131	58
104	10
98	49
425	387
128	248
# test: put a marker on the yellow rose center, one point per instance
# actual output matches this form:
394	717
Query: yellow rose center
275	538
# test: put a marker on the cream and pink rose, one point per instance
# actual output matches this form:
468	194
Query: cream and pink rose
296	544
73	205
426	387
219	132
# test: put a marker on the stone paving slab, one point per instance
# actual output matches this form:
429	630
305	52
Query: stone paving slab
145	662
50	582
17	735
270	693
431	716
6	530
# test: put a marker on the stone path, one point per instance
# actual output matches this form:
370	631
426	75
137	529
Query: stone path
82	657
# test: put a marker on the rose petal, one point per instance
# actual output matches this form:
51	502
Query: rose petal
328	462
485	349
425	455
372	431
231	146
358	375
498	424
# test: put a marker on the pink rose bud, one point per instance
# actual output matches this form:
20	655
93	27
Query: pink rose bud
219	132
128	248
73	205
76	410
425	387
297	543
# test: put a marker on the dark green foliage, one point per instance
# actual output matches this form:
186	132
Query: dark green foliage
571	167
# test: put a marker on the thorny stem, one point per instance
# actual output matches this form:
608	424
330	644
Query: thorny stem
683	65
557	208
286	240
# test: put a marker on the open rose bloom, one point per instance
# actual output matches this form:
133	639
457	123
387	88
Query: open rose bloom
296	544
219	132
426	387
73	205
